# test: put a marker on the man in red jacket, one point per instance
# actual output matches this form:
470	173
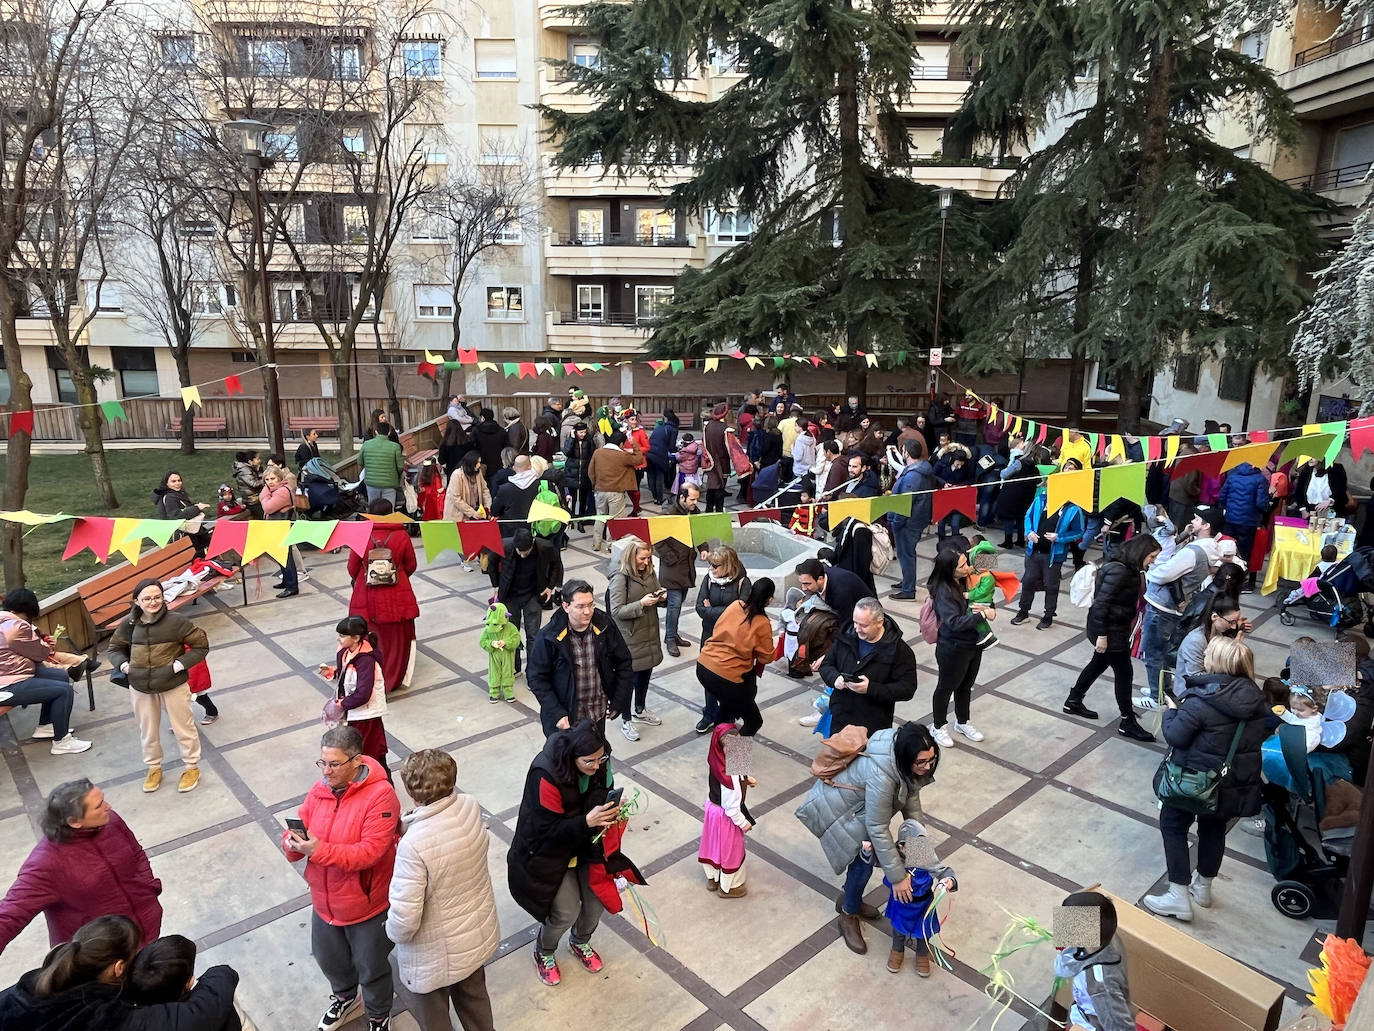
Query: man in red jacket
88	864
352	819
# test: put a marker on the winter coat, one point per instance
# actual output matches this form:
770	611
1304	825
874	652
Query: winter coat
247	483
208	1006
72	882
277	504
853	550
845	817
464	496
1336	479
1019	483
676	561
958	623
1244	497
549	671
491	441
87	1006
512	500
1103	978
305	452
23	648
392	604
174	504
639	439
1116	598
719	595
383	462
548	571
578	455
770	448
612	470
638	625
151	648
842	591
713	439
663	444
518	436
551	833
1200	731
891	671
1068	528
349	872
443	909
917	478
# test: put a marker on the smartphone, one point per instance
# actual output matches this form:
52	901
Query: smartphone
614	796
297	827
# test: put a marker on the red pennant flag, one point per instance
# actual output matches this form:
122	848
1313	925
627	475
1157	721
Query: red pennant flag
737	353
954	499
527	369
1101	444
815	361
618	528
92	532
351	535
1044	432
1261	436
1361	436
571	369
229	535
476	534
21	422
233	385
748	515
467	356
1154	448
427	369
1208	462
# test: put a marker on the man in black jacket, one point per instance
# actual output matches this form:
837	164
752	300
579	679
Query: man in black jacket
530	572
871	669
491	441
579	666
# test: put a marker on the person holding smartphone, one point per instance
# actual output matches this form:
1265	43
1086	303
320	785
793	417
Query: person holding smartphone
633	598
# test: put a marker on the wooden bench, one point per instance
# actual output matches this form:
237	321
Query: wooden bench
202	424
301	423
648	420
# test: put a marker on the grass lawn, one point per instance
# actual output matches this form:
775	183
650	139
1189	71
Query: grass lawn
64	483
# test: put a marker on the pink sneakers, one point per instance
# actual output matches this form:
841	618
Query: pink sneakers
547	968
587	955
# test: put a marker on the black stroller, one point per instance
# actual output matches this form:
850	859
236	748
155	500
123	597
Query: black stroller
331	496
1337	601
1308	863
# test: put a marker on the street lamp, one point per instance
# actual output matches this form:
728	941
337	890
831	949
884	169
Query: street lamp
946	196
253	131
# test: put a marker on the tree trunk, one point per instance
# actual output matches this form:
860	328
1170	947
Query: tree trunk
389	371
270	413
18	447
1082	312
1073	404
853	206
1130	388
856	379
444	380
339	358
88	415
181	354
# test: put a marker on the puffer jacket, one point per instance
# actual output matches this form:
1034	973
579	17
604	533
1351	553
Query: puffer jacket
174	504
844	818
1116	596
719	595
87	1006
577	457
1104	980
1244	496
637	624
209	1005
443	910
663	443
1068	528
676	561
891	671
349	873
150	649
1200	731
247	483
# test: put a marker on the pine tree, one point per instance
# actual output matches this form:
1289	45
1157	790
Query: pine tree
1133	237
810	136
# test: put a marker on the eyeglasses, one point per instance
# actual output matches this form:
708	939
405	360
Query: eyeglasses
594	762
923	764
331	767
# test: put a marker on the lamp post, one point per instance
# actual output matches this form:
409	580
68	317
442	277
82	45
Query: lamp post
253	131
946	195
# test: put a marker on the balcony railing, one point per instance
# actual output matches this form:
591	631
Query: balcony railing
1331	178
623	319
1334	45
618	240
962	71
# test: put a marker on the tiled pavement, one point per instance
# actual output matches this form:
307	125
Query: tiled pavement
1047	803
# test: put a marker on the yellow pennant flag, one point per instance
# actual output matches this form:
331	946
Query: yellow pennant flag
1256	454
857	508
190	396
753	361
1309	428
492	366
712	364
993	413
872	360
543	510
1016	428
1170	448
434	359
1075	487
267	537
839	351
1116	446
678	528
126	540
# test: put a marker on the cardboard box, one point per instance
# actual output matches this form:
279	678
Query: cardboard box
1186	985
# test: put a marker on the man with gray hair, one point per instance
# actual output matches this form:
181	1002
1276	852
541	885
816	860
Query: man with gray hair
870	669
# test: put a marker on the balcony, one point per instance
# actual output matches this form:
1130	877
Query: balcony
622	255
1344	186
607	333
936	89
1334	45
553	17
355	14
561	94
595	181
981	181
1333	78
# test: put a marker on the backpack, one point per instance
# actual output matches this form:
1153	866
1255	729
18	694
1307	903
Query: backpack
546	527
883	551
930	622
837	752
1082	585
381	567
815	634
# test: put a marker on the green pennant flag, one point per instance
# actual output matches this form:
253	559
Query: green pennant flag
1046	470
1030	430
712	526
677	365
510	368
159	531
901	358
597	366
558	371
113	410
779	363
899	504
1121	481
1092	442
1217	441
439	536
315	532
1338	430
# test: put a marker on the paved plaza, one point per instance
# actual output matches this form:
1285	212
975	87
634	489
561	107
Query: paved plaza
1046	804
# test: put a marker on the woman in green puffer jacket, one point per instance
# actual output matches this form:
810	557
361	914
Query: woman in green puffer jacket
153	648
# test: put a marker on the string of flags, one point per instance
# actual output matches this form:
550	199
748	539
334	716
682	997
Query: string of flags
434	362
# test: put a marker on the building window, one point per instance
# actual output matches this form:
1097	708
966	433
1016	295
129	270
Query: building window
423	58
137	370
591	302
506	303
243	358
292	302
400	358
1234	382
428	140
427	228
288	221
1187	369
110	299
499	145
66	389
355	223
354	142
196	226
280	144
210	298
651	302
509	230
1254	45
654	227
494	58
730	226
347	60
586	55
268	56
178	51
433	301
591	226
1106	378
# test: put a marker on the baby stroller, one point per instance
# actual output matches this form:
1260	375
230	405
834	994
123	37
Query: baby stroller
1337	600
331	496
1308	863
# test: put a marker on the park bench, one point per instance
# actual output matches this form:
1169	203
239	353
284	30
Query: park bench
202	424
323	423
648	420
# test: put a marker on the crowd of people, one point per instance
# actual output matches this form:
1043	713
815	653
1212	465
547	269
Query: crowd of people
402	903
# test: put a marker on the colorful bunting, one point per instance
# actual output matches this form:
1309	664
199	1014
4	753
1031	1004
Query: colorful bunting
267	537
315	532
658	366
675	527
440	536
228	535
899	504
467	356
477	534
1309	446
1121	481
113	411
355	536
712	526
677	365
21	422
1171	443
90	532
123	540
853	508
540	510
233	385
1217	441
954	499
191	396
1361	436
1154	447
748	515
712	364
1255	454
1075	487
618	528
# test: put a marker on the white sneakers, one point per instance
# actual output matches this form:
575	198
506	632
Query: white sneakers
647	718
969	731
628	729
1176	902
810	720
69	745
1253	826
941	736
43	732
944	740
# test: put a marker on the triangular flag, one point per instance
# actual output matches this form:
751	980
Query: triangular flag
1041	433
233	385
1171	443
712	364
1310	428
1361	437
1116	447
737	354
21	422
618	528
1121	481
897	504
90	532
558	369
540	510
993	413
159	531
781	363
350	534
1312	446
228	535
1045	470
1154	447
748	515
1217	441
850	508
122	539
113	411
1016	429
267	537
571	369
191	396
753	361
838	351
510	368
677	365
440	535
428	370
1075	487
954	499
658	366
677	528
543	368
527	370
1256	454
467	356
872	360
1030	429
1094	442
488	366
477	534
816	361
712	526
1337	431
1258	436
432	358
315	532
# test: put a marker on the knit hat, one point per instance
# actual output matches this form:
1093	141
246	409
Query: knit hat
719	410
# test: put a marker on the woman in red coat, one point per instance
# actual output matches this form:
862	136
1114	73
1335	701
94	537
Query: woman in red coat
88	864
390	608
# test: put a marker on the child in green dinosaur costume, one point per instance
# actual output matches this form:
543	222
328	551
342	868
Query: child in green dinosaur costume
981	585
500	638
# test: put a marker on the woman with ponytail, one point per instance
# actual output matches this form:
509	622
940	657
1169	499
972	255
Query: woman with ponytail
79	983
359	686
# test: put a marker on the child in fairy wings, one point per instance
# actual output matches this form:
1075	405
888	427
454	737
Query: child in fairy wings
500	638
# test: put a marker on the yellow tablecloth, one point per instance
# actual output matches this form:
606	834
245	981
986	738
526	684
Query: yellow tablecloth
1293	555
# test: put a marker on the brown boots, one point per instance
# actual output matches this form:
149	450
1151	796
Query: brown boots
852	933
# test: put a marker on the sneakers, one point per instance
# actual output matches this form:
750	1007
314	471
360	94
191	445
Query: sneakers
209	720
703	725
587	955
340	1011
1133	730
628	729
942	738
547	968
969	731
1201	891
811	720
1045	623
43	732
189	779
378	1024
69	745
1073	707
1148	702
494	698
1019	618
647	718
153	781
1255	826
1175	903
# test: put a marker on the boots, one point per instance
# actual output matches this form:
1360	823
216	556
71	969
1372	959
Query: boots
1201	890
852	933
1129	727
894	961
1074	707
1174	902
922	964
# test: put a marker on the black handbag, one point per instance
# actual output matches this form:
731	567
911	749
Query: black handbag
1193	791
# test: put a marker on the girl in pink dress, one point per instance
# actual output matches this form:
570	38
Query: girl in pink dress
725	821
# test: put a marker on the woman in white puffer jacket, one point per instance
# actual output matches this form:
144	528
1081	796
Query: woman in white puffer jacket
443	911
